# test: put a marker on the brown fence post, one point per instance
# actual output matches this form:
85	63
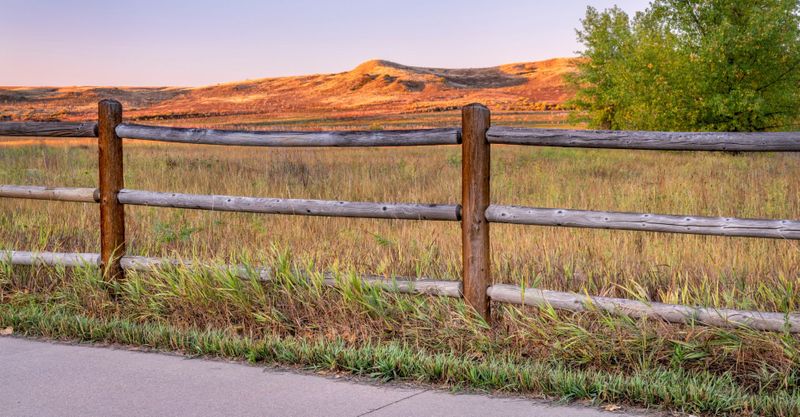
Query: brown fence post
112	213
475	172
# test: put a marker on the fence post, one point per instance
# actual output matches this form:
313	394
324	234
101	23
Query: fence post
475	172
112	213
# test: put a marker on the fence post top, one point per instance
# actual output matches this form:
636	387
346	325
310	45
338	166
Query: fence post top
475	105
108	102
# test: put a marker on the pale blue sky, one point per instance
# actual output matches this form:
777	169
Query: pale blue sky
199	42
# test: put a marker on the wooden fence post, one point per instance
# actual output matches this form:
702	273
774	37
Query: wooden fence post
475	173
112	213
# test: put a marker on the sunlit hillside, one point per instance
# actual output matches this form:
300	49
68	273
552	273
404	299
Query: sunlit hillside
373	88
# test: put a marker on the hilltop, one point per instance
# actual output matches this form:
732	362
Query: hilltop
374	87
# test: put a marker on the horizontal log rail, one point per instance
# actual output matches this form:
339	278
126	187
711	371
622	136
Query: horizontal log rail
72	260
357	138
717	226
503	293
664	141
608	139
80	195
671	313
49	129
330	208
405	285
149	264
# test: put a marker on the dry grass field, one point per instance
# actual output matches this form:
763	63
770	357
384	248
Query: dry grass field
351	328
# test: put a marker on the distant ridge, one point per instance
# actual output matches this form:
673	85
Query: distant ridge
373	87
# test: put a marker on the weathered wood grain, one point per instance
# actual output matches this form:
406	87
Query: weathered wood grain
51	129
698	225
50	258
292	139
475	198
674	141
672	313
443	288
291	206
80	195
112	213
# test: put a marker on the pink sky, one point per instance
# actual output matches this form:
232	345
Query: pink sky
199	42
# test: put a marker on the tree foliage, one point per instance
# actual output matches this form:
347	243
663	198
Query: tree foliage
717	65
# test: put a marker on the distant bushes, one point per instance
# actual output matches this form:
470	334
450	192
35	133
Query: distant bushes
708	65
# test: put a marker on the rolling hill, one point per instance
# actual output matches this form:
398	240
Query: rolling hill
372	88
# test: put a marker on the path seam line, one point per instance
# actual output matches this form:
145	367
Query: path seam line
393	403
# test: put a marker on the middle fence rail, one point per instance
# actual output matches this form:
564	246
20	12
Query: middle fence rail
694	225
300	207
292	139
475	212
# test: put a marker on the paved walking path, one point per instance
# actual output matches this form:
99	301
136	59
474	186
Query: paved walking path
48	379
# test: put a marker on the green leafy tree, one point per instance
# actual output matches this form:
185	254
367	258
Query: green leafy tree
715	65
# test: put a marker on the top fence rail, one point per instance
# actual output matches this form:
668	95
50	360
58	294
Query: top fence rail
664	141
51	129
605	139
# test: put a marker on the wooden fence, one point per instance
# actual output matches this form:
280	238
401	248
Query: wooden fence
476	212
